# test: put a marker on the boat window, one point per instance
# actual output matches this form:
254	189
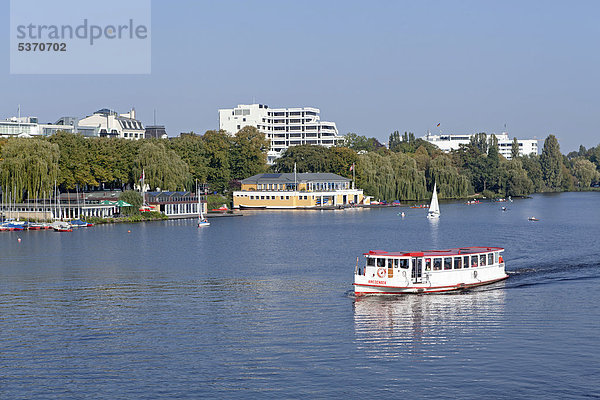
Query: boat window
447	262
390	262
404	263
381	262
466	261
496	257
474	261
437	264
457	262
370	261
482	260
396	263
428	264
490	258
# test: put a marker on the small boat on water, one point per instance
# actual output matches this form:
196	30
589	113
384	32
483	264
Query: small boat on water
434	207
62	227
471	202
202	221
77	223
420	206
533	219
429	271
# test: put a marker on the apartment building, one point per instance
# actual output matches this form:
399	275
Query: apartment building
284	127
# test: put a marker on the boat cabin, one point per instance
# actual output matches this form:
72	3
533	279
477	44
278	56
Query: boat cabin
415	266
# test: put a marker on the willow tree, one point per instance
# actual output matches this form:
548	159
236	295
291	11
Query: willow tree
390	177
450	183
28	167
162	167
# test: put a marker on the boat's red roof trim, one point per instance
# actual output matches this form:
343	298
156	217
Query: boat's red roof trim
433	253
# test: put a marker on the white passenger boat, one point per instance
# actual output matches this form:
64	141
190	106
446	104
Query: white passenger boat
428	271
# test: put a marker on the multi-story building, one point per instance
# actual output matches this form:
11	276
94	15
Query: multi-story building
111	124
20	127
449	142
284	127
29	127
302	190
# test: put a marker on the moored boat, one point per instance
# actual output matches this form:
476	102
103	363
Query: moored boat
428	271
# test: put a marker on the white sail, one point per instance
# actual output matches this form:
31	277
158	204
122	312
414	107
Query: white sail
434	207
201	220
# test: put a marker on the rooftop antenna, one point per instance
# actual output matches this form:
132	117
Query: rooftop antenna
155	117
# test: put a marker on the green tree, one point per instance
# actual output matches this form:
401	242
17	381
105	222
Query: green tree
551	163
531	164
450	183
390	177
361	143
514	149
75	160
162	167
308	158
134	198
340	160
28	168
517	182
585	172
217	145
191	149
480	141
248	153
394	140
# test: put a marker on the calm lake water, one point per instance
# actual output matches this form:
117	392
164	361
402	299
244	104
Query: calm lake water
261	306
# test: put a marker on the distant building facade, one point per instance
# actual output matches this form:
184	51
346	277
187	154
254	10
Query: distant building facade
111	124
449	142
155	132
302	190
175	204
284	127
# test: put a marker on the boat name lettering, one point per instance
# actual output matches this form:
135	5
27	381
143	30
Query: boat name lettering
377	282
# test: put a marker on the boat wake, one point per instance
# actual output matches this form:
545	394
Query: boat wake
547	273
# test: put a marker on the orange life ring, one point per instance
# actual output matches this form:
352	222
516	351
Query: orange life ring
381	272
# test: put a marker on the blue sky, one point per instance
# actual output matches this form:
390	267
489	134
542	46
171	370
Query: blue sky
372	67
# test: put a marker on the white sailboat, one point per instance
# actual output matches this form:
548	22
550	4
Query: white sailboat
434	207
202	222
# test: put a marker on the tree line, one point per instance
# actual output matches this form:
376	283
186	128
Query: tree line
30	167
405	170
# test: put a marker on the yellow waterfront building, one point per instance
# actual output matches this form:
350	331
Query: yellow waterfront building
301	190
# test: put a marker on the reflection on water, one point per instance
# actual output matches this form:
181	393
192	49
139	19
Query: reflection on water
423	326
434	224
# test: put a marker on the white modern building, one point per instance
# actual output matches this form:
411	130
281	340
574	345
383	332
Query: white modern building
111	124
449	142
284	127
26	127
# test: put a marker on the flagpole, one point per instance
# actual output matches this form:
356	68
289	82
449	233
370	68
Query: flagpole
295	179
